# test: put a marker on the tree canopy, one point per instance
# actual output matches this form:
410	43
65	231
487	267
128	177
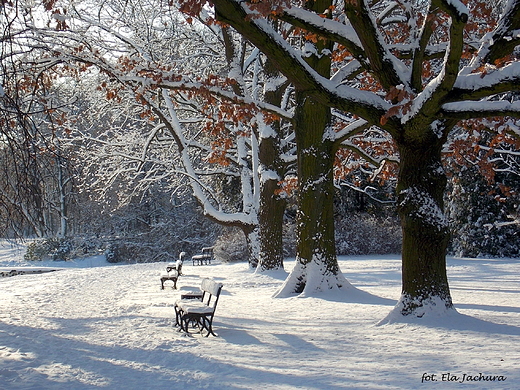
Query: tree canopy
274	89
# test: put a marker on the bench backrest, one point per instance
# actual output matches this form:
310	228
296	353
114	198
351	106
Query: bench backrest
211	289
210	286
208	251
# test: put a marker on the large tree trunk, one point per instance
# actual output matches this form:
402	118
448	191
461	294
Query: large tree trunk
316	266
421	187
271	207
271	171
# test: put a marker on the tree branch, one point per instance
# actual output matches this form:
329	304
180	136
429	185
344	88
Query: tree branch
483	85
481	109
366	104
419	54
379	57
327	28
439	88
503	41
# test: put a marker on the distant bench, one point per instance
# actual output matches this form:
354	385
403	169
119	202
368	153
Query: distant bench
173	271
204	258
198	308
11	273
26	271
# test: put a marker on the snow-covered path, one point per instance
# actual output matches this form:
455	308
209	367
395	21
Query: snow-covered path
112	327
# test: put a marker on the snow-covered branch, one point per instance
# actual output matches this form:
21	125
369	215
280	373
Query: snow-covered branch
481	109
230	96
291	63
486	83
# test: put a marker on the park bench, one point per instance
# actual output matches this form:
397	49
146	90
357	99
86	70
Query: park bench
203	258
10	273
173	271
198	308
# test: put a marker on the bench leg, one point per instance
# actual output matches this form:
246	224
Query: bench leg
185	320
177	316
174	280
204	323
207	324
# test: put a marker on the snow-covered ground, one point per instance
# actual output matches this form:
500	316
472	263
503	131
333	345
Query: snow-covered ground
93	325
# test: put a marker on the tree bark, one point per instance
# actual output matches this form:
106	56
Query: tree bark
252	243
271	207
271	171
420	189
62	196
316	266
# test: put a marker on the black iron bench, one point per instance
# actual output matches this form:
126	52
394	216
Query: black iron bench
204	258
198	310
173	271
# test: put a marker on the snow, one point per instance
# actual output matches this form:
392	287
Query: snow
267	174
438	127
346	31
460	7
274	83
476	81
424	206
264	130
92	325
482	106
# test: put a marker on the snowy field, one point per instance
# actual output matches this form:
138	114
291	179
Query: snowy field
92	325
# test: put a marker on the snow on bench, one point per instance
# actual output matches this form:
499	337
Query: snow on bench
198	311
204	258
173	271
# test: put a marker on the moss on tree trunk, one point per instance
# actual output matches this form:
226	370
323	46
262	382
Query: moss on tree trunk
315	190
316	266
420	189
271	210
